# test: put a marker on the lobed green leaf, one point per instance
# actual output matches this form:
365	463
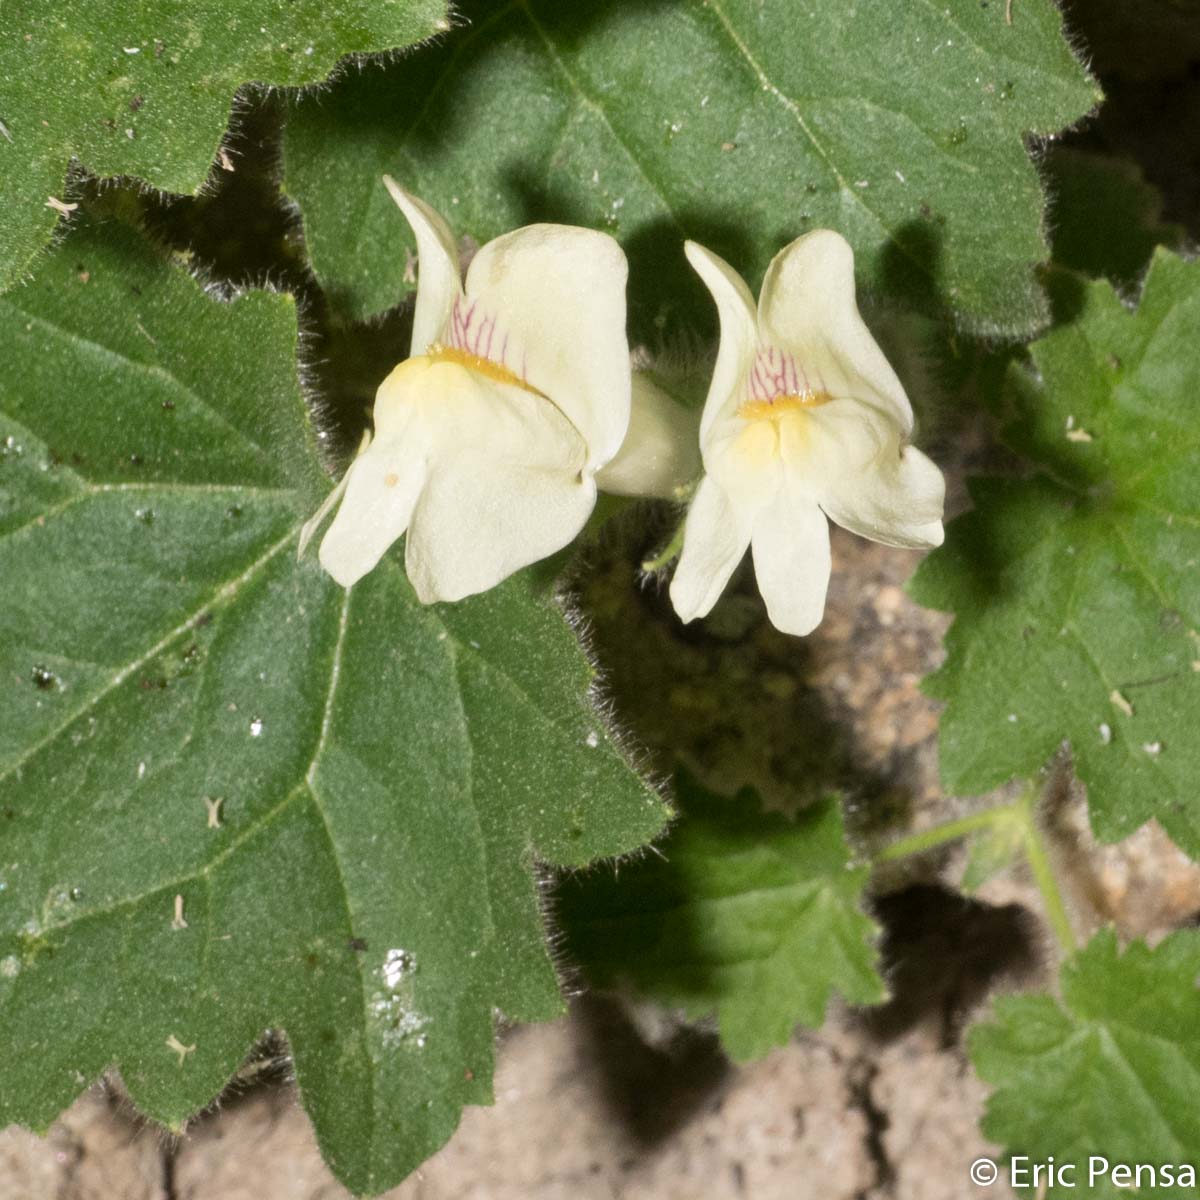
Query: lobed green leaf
147	89
233	796
745	913
739	123
1076	590
1111	1069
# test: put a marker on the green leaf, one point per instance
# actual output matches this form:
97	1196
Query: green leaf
147	89
1106	216
745	913
345	796
1111	1069
736	122
1076	590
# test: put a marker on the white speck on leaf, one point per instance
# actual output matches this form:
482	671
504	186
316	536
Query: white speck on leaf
397	963
212	805
1120	702
177	1047
1154	749
392	1008
593	739
178	921
1105	733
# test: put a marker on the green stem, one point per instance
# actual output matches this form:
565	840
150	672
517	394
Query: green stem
667	554
927	839
1043	876
1022	812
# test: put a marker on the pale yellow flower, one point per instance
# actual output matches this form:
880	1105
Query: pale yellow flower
805	420
488	440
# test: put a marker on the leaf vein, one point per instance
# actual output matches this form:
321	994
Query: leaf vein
228	589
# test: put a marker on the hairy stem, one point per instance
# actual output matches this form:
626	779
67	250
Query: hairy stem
951	831
667	554
1043	873
1022	813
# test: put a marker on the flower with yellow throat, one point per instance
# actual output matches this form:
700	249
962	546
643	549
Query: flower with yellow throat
488	440
804	420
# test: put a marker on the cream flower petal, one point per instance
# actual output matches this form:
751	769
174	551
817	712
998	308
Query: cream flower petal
310	527
715	538
744	457
739	333
898	506
854	464
792	563
466	413
660	453
476	523
439	280
560	293
807	309
382	486
506	487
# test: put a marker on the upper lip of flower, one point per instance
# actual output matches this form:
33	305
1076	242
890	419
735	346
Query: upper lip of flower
803	344
543	306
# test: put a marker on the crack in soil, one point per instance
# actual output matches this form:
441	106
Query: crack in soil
860	1079
169	1153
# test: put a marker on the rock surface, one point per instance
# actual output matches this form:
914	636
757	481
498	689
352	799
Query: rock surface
829	1117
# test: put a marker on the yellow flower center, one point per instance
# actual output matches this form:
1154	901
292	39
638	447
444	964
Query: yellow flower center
777	406
439	353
